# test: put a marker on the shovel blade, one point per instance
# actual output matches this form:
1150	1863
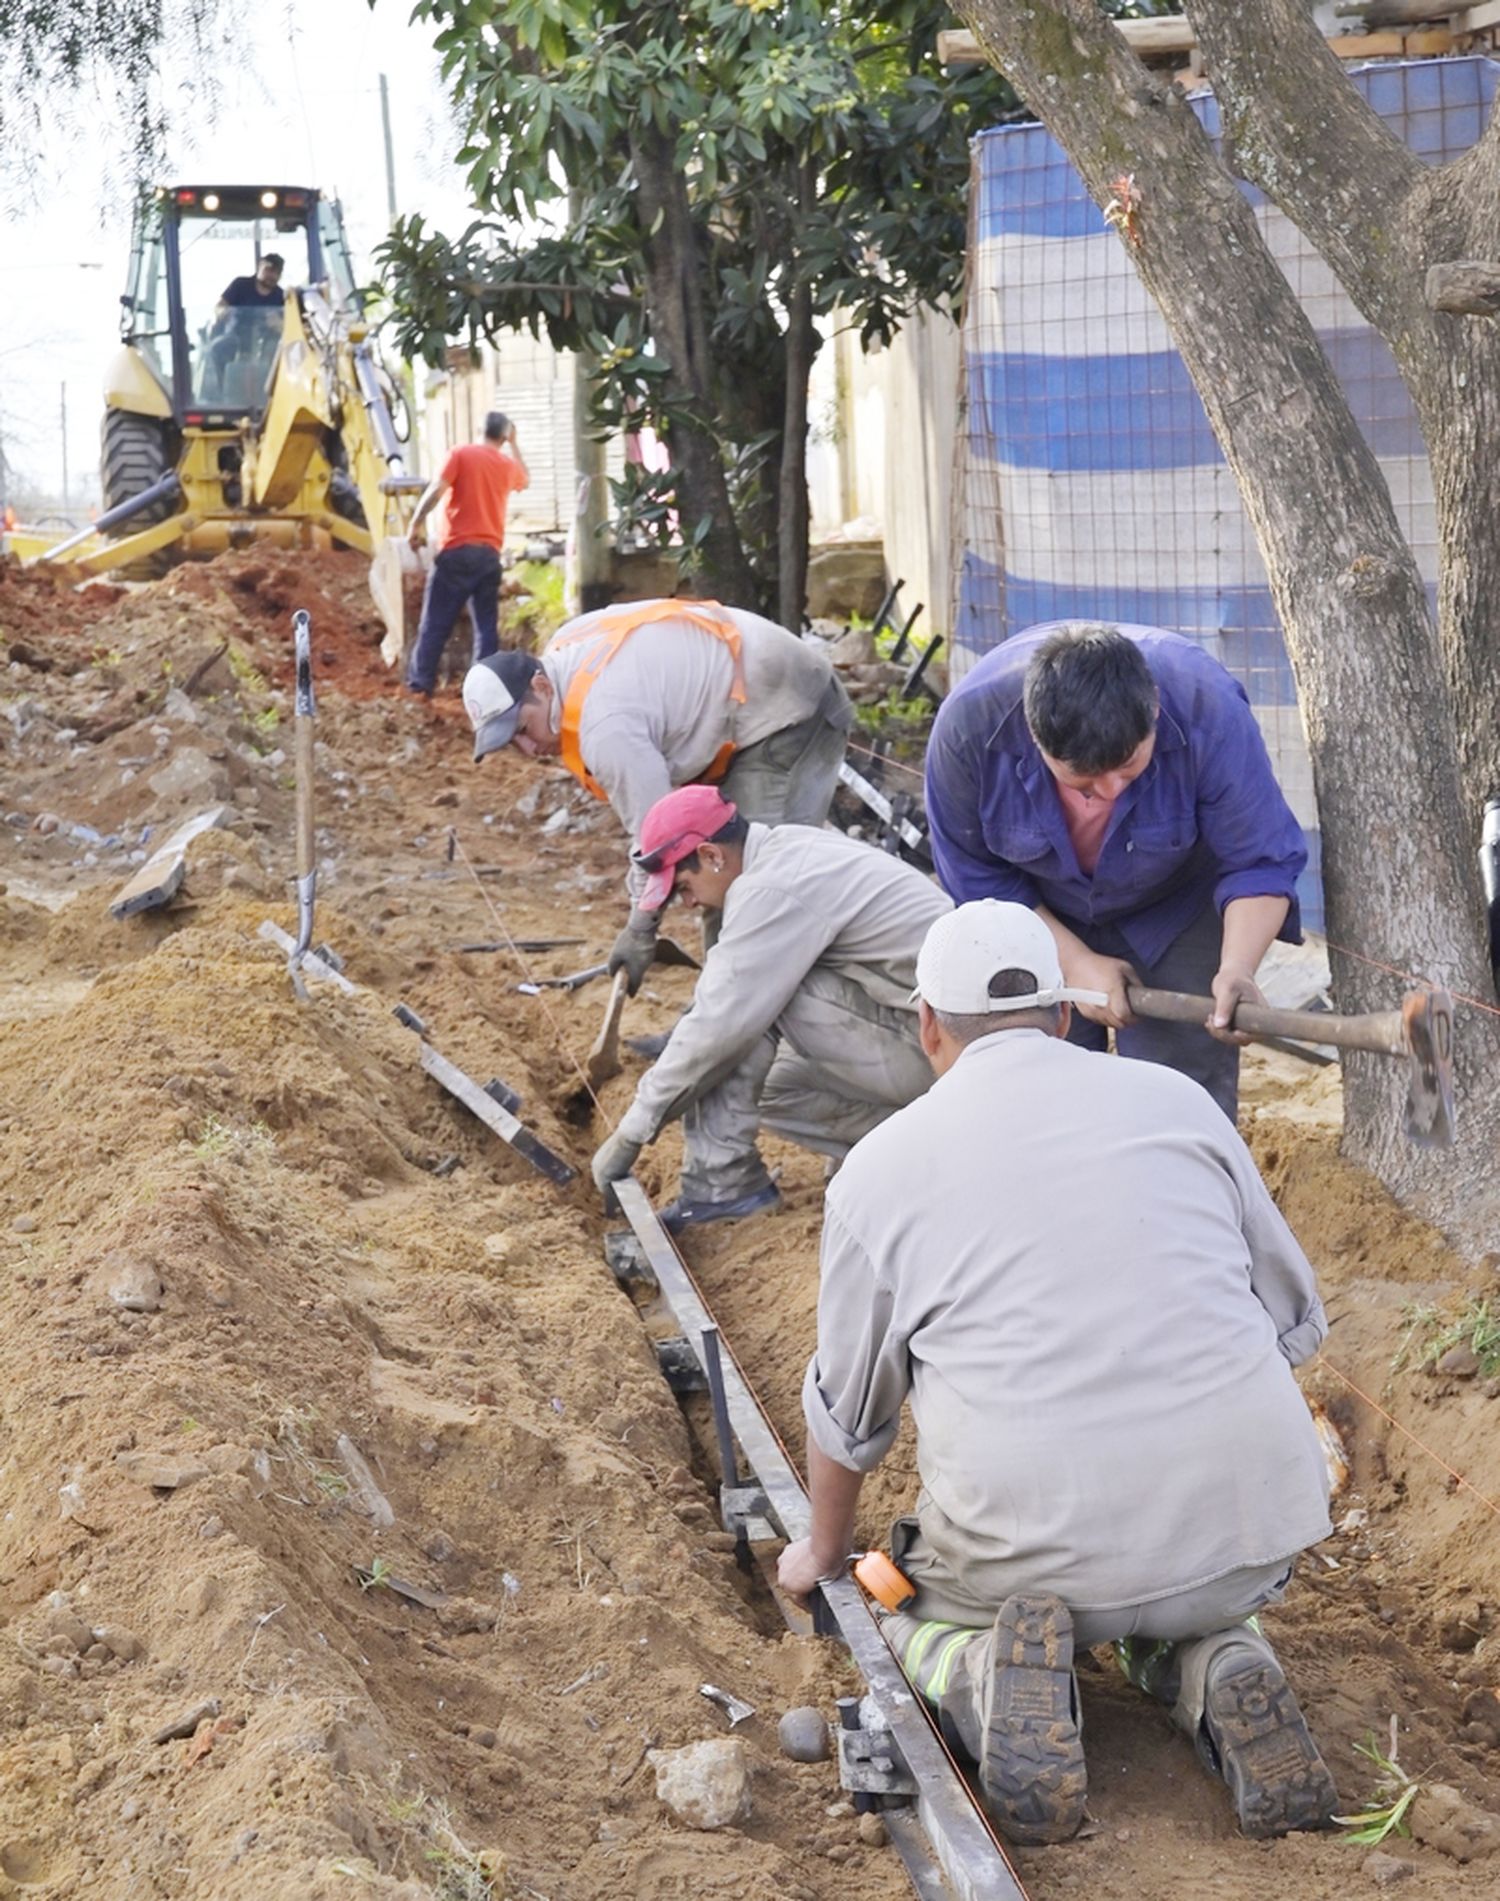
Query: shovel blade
1428	1021
603	1059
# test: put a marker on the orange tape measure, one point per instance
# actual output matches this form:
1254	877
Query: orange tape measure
883	1581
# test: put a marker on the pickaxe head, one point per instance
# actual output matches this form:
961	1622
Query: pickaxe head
1427	1023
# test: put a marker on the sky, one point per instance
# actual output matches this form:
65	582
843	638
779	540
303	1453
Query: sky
302	106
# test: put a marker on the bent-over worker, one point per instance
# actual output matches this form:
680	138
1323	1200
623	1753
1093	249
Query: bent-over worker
801	1019
1073	1270
1115	779
637	699
478	480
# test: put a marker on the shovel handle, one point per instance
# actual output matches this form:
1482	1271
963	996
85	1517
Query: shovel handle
1383	1033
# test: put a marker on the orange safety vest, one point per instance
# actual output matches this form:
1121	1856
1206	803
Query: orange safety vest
611	631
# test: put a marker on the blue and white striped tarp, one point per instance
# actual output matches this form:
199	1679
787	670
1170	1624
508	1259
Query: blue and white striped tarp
1093	486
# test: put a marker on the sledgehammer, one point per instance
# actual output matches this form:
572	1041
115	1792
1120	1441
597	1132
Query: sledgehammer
1421	1031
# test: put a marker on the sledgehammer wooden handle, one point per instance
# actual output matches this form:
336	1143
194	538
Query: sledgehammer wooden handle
1384	1033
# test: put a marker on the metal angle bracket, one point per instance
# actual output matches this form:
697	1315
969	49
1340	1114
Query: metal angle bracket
870	1763
959	1837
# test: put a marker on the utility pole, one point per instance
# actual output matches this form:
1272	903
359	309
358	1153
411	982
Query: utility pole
390	155
590	480
408	381
65	447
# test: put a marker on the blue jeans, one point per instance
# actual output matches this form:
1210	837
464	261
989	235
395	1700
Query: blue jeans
467	576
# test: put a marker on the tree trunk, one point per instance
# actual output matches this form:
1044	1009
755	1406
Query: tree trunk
792	512
1399	868
1383	219
680	331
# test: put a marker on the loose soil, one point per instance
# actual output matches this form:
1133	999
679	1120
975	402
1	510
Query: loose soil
328	1256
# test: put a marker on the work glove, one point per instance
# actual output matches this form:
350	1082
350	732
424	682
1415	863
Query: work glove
612	1162
634	949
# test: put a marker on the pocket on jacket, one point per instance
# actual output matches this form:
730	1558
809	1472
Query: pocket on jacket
1161	846
1023	848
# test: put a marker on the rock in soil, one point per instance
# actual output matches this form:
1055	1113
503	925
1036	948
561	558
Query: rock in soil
803	1734
1386	1870
160	1470
1441	1818
706	1785
132	1283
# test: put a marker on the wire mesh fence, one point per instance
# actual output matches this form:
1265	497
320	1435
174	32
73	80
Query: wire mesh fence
1089	484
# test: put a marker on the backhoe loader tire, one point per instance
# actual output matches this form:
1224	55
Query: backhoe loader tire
133	456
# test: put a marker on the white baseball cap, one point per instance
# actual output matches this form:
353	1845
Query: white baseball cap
494	692
967	947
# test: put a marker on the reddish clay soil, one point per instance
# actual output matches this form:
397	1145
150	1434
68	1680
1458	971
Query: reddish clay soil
325	1253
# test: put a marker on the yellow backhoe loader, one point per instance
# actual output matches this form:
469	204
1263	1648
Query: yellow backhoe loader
247	402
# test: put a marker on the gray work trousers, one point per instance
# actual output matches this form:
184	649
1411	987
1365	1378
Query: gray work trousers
1165	1645
958	1582
790	777
833	1066
1190	962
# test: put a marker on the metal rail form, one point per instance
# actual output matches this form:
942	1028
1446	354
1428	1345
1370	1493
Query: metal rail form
880	805
959	1838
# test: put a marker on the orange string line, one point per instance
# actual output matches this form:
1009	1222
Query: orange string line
1375	1406
1410	977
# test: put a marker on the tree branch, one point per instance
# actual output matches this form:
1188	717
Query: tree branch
1286	102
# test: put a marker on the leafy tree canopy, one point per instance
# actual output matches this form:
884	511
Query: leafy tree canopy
784	153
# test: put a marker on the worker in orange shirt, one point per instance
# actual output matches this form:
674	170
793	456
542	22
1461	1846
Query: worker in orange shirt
478	480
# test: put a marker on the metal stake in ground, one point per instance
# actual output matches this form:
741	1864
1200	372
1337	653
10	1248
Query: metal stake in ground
305	737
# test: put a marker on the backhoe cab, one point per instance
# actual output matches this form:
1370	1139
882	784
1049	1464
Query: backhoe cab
246	402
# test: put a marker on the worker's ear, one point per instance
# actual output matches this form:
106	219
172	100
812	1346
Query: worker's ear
928	1033
1064	1019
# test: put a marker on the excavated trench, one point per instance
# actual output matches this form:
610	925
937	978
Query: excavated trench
237	1247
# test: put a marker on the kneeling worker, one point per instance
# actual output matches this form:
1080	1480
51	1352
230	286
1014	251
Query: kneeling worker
802	1017
634	700
1072	1267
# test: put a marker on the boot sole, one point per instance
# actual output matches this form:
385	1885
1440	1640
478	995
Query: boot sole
1031	1766
1267	1755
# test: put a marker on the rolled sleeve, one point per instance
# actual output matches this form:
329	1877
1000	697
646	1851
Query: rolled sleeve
858	1379
1243	815
1281	1276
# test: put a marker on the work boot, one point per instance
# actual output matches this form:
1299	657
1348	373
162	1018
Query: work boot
686	1212
1007	1697
1235	1700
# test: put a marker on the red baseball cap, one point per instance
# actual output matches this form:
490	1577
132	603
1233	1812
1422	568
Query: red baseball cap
672	830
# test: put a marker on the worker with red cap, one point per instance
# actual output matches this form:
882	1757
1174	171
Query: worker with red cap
802	1020
638	698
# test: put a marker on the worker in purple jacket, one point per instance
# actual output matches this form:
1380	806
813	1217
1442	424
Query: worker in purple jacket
1114	779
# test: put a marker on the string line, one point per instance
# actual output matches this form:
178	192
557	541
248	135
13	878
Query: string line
553	1023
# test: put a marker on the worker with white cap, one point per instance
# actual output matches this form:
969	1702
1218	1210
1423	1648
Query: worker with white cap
802	1020
1071	1268
636	699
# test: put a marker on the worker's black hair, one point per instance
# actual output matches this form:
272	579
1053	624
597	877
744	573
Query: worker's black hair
496	426
1005	983
732	833
273	257
1090	697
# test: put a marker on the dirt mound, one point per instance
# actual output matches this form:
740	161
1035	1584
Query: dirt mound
264	587
324	1426
45	619
249	1269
